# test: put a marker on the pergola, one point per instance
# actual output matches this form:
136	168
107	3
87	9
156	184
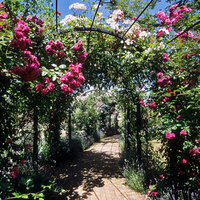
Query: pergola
122	37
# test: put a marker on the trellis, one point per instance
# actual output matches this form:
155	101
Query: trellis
91	29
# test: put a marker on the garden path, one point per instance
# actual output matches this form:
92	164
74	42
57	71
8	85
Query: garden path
94	175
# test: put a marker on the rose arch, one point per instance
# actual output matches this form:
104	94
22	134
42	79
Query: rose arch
154	72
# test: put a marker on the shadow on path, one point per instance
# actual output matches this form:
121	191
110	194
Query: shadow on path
87	170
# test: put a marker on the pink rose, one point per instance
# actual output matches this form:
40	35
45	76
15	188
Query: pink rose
181	173
184	161
159	74
44	91
169	135
51	87
183	133
81	78
38	87
191	174
61	54
161	176
9	140
154	194
22	162
28	146
179	116
165	57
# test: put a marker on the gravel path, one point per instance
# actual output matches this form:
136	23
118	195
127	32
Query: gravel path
95	175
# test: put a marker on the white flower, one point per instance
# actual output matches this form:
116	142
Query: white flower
98	16
174	48
164	30
128	42
161	46
128	55
68	18
95	6
133	29
110	20
116	26
77	6
128	21
115	14
148	50
144	34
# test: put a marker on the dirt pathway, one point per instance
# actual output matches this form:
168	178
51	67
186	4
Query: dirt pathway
94	174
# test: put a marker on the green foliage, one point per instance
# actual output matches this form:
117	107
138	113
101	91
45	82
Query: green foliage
86	115
134	172
28	185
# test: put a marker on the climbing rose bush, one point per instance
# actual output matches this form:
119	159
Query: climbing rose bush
41	65
177	105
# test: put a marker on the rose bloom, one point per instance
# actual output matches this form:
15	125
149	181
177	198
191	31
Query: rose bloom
14	169
47	80
28	146
165	57
15	172
161	176
183	133
168	90
40	31
9	140
159	74
22	162
61	54
179	116
184	161
81	78
13	175
191	174
38	87
154	194
51	87
193	54
169	135
44	91
192	152
197	150
181	173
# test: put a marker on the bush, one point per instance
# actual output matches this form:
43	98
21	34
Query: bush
135	175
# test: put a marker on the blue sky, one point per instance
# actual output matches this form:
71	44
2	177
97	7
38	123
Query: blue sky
63	6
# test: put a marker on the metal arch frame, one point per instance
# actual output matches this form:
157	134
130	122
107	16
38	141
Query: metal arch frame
112	33
186	30
98	30
138	17
102	31
92	24
56	15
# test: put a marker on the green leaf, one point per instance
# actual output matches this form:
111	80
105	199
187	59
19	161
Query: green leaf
44	73
62	66
24	196
15	194
53	65
54	77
